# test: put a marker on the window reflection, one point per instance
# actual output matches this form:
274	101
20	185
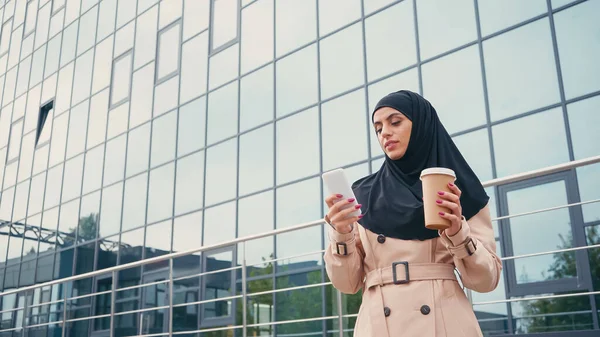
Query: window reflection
117	120
225	19
296	24
102	63
145	39
520	61
475	148
158	239
257	34
256	167
142	92
461	70
219	224
190	183
94	161
72	183
36	196
82	82
224	66
130	249
187	235
110	214
192	127
530	150
160	193
168	51
121	78
134	205
297	147
496	15
98	119
296	77
256	216
256	98
69	43
78	125
164	132
194	62
340	117
298	203
222	113
138	150
20	203
89	217
53	186
196	17
583	117
587	179
221	172
114	166
59	139
166	96
339	74
577	71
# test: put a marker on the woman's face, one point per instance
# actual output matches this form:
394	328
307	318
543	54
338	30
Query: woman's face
393	131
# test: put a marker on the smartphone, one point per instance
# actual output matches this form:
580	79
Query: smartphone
337	183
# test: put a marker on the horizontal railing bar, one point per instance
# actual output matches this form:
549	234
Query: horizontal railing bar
550	252
288	257
47	303
587	293
187	304
44	324
11	329
87	318
288	289
206	273
140	310
233	327
510	216
88	295
303	320
141	285
12	310
151	335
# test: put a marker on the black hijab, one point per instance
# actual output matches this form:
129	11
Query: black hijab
392	197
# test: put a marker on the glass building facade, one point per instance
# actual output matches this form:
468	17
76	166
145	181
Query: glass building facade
130	129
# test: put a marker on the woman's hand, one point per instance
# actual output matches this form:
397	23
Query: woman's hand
452	202
338	217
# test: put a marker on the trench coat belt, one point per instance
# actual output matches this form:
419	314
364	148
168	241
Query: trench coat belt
397	274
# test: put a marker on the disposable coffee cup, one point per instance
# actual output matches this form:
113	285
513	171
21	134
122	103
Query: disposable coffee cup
436	179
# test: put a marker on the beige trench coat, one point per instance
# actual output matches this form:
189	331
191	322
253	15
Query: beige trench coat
431	303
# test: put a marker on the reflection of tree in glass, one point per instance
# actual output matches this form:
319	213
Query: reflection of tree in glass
88	227
564	265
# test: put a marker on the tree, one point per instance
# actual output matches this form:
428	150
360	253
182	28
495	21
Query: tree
88	227
564	265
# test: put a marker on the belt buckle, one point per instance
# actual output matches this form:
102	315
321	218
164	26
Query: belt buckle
395	277
344	250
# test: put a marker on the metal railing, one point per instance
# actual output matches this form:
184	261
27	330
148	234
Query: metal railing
244	296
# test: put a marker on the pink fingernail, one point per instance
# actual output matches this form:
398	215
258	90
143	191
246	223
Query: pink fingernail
451	184
438	201
441	193
339	195
441	213
360	216
351	200
358	206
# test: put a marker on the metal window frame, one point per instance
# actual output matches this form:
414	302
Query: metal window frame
177	24
221	320
27	13
212	50
121	57
54	10
9	145
43	113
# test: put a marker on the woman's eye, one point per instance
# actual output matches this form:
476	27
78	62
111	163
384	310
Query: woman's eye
395	123
378	131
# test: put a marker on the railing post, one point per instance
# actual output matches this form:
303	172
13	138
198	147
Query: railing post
64	320
112	303
171	297
244	298
340	313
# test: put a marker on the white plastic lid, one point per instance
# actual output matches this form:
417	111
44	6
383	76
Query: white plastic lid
438	170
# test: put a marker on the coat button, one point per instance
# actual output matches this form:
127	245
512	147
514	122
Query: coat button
425	310
386	311
380	238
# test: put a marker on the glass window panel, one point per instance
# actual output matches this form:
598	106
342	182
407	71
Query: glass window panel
255	217
130	250
526	236
584	118
53	185
222	113
560	3
10	174
142	92
23	78
496	15
296	24
37	68
257	34
438	31
221	172
138	149
168	52
31	17
170	10
190	183
87	30
89	216
2	161
297	147
475	148
520	61
5	39
117	120
9	85
158	239
26	158
6	206
341	117
462	71
19	107
334	14
106	18
160	193
15	246
40	161
145	39
256	98
77	129
393	24
15	47
64	89
72	10
164	132
166	96
49	88
102	64
187	232
194	67
98	119
192	127
298	203
530	150
110	212
36	197
256	167
577	55
32	109
73	173
20	203
224	66
587	180
83	77
69	216
27	48
297	81
114	166
5	126
92	178
297	243
59	139
56	23
69	44
339	74
225	19
134	205
219	223
125	12
14	145
121	79
196	17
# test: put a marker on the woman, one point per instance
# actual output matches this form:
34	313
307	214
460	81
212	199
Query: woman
405	270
